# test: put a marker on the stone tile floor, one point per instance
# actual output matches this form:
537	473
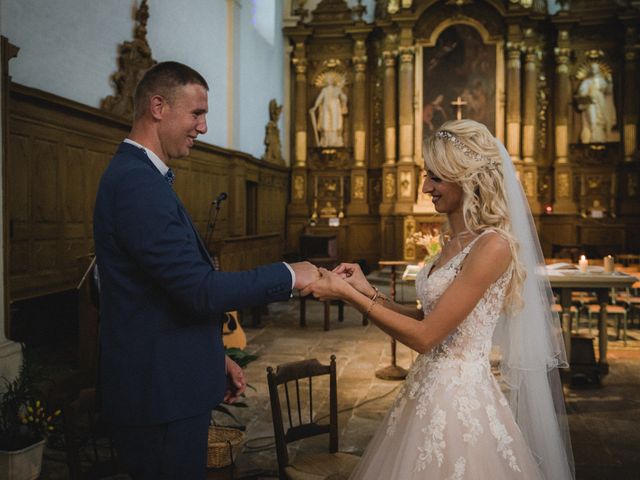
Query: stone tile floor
604	422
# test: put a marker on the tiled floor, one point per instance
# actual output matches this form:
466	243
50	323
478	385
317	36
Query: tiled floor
605	422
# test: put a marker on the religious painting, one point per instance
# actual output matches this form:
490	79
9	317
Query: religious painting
458	79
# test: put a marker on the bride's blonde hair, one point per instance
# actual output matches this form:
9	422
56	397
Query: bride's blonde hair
464	152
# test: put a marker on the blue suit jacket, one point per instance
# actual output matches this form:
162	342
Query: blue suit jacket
161	301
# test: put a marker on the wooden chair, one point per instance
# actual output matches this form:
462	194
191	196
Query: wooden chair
297	381
614	308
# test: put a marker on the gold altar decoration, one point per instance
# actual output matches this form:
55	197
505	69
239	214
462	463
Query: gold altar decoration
298	187
358	191
409	229
389	185
511	65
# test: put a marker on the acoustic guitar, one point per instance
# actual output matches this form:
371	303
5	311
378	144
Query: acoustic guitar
233	335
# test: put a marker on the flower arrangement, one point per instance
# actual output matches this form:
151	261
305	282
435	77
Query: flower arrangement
429	241
35	419
24	419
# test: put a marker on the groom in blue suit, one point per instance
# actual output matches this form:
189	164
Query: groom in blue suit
163	366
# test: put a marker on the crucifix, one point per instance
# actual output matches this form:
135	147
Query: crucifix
458	103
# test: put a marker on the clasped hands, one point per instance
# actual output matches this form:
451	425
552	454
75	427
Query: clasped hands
338	283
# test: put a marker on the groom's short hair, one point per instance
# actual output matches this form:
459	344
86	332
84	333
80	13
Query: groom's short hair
162	79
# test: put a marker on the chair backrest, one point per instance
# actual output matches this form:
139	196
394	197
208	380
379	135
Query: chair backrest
295	379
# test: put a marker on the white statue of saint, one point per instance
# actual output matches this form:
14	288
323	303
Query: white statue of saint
598	112
331	106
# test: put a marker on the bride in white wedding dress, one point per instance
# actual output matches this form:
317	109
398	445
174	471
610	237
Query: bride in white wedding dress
451	420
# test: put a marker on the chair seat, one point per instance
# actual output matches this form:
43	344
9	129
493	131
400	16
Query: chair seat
557	308
610	309
322	466
628	299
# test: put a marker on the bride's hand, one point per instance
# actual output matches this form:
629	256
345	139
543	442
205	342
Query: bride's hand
329	287
352	274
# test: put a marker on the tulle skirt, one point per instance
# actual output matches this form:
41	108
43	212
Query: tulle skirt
452	429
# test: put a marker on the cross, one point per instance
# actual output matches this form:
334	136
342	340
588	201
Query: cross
301	12
458	103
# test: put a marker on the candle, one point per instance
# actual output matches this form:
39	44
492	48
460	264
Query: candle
582	264
608	264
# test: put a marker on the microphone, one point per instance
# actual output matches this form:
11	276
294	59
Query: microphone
220	198
211	225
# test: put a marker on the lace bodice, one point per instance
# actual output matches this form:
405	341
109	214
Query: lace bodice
471	340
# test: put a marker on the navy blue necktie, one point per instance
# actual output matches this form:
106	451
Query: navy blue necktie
170	177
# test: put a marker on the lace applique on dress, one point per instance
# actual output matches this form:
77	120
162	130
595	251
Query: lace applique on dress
450	418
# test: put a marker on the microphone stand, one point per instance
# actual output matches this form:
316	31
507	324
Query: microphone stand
211	225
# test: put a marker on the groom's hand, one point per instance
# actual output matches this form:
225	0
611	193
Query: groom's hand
305	274
236	382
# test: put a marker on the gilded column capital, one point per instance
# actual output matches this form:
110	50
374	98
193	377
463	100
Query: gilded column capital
630	53
563	36
406	54
359	47
532	53
562	59
514	52
300	65
514	48
359	63
389	58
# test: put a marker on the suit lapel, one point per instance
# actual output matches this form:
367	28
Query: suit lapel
142	155
203	248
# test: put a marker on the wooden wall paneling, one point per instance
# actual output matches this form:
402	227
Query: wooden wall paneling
295	228
58	152
237	207
364	240
601	240
19	200
556	229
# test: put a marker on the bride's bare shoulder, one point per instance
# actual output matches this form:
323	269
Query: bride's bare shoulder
491	253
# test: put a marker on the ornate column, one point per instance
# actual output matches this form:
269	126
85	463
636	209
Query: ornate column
10	352
390	128
406	166
631	96
514	50
564	201
530	104
299	187
529	168
358	204
300	64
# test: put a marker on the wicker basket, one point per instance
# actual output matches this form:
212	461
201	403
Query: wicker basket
223	446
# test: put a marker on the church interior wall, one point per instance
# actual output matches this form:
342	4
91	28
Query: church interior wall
258	70
60	140
70	47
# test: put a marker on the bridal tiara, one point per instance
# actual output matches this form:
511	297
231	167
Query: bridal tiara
490	163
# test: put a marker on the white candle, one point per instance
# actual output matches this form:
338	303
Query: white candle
583	263
608	264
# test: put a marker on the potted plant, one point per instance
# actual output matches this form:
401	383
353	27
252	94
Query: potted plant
24	426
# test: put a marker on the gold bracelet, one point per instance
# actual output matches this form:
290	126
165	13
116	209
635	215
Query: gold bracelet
375	295
366	314
379	295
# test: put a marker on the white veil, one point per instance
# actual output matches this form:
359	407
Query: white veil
532	348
